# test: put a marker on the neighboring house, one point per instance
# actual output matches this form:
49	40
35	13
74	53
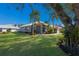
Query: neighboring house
58	29
8	28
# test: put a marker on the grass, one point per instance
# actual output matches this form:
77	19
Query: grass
25	45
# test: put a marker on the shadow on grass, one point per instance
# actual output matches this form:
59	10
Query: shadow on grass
32	48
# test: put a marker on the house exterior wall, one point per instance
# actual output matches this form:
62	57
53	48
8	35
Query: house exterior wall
13	30
58	31
25	29
41	30
0	29
4	30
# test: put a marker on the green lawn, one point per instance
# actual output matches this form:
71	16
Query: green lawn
26	45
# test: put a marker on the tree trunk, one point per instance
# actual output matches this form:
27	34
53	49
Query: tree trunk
53	23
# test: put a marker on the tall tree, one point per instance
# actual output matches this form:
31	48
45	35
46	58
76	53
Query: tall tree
51	14
34	16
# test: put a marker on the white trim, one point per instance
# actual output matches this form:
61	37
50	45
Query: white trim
34	23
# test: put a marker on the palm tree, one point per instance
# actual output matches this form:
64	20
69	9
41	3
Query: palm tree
53	22
51	16
31	20
71	30
57	21
34	16
47	27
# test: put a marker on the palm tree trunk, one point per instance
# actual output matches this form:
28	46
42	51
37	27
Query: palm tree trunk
32	22
41	32
41	29
53	24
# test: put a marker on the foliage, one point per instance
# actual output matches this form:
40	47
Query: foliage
49	30
71	32
34	15
62	30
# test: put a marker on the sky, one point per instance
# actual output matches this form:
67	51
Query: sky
9	14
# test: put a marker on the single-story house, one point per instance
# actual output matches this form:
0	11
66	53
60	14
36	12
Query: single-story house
39	27
28	28
8	28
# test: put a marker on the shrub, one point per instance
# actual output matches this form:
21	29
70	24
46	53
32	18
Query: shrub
4	32
49	30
